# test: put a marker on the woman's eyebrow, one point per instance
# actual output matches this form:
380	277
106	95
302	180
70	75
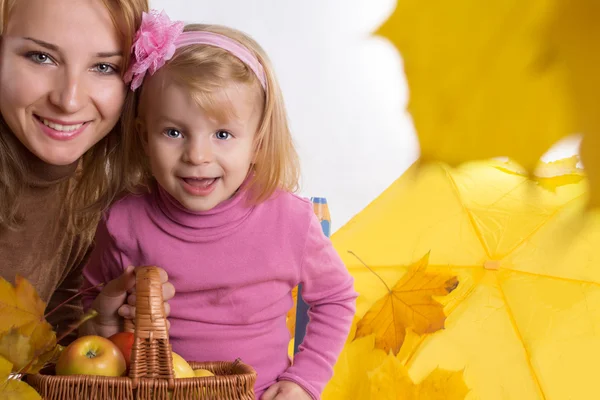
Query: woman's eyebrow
47	45
53	47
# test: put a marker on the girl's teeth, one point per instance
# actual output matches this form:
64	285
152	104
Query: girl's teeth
61	128
204	182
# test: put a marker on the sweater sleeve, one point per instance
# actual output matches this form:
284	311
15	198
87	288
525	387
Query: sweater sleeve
105	263
329	292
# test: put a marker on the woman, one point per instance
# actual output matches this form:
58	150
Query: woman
61	101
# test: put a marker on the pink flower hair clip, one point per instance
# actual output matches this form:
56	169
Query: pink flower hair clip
153	46
159	37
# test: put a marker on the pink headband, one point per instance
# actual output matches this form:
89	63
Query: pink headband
159	37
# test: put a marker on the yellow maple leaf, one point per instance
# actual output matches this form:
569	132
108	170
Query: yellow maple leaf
409	304
551	175
480	84
574	38
390	381
442	385
509	78
22	324
410	346
16	348
14	389
350	378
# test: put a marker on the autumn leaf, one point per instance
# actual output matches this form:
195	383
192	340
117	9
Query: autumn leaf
442	385
390	381
16	348
25	335
507	78
480	79
47	357
13	389
409	304
410	346
19	305
551	175
573	38
350	378
291	315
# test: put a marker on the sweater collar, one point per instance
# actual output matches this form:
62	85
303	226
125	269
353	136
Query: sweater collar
39	173
200	225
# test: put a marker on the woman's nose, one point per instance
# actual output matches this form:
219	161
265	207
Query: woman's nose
69	93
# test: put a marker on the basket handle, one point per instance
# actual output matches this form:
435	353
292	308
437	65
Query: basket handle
151	352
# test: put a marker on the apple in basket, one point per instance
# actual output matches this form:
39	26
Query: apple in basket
202	372
124	341
91	355
181	368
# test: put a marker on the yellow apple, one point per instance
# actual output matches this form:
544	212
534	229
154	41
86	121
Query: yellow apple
91	355
181	368
202	372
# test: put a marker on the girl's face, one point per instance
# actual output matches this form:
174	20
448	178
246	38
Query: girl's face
198	159
60	84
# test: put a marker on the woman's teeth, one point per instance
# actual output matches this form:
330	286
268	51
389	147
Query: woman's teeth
59	127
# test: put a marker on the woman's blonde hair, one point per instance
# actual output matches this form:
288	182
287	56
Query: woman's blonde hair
100	172
205	70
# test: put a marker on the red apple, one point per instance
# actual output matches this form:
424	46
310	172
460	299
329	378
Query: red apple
91	355
124	341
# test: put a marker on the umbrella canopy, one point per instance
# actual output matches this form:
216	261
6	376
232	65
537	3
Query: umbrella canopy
523	322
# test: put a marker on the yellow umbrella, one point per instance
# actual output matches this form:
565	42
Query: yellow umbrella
524	321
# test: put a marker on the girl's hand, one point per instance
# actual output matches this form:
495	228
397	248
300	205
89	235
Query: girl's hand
285	390
117	301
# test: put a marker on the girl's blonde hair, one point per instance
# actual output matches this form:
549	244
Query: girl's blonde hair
100	172
204	70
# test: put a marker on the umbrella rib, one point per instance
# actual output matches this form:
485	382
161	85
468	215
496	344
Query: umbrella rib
540	225
520	337
554	277
466	210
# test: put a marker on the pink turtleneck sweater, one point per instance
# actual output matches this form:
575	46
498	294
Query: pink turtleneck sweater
233	269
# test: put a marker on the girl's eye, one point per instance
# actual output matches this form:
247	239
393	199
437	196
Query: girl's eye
173	133
39	58
223	135
105	69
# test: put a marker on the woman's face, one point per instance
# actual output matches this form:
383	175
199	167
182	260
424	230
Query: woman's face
60	85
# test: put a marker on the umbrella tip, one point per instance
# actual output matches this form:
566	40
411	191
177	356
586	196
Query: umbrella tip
493	265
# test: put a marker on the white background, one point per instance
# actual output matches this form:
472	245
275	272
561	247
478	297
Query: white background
344	89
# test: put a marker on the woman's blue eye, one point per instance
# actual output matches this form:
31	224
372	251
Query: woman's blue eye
223	135
39	58
173	133
105	69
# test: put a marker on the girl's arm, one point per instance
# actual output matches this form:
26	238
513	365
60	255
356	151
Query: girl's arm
328	290
110	266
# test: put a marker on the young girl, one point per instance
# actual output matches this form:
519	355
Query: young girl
214	147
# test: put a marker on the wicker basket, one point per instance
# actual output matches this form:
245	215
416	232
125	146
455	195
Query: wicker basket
151	371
